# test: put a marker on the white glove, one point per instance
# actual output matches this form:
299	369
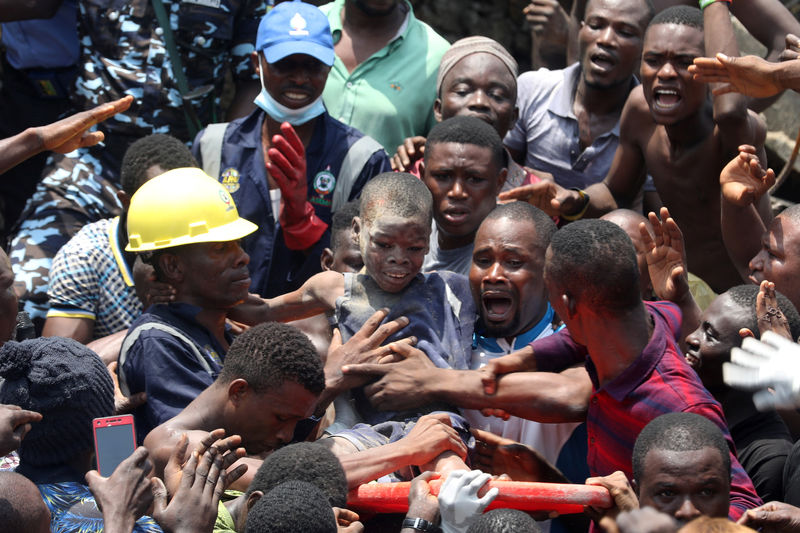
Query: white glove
774	363
459	504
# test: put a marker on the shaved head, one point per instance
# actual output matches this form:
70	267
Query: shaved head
396	193
629	221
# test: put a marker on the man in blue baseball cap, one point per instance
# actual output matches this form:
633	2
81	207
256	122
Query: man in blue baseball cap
289	165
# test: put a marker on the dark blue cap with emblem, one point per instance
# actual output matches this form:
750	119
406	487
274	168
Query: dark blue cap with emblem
295	28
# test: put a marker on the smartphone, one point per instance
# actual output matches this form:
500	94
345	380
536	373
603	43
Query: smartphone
114	441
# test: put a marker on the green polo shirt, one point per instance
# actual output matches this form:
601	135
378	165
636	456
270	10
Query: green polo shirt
390	95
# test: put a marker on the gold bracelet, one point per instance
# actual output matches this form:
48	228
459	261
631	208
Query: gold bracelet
579	214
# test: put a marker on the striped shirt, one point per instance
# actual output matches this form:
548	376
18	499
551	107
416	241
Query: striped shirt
659	381
90	279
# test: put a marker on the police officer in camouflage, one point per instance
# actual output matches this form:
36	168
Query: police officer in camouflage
124	50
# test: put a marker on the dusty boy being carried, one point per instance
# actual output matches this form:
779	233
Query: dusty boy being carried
393	232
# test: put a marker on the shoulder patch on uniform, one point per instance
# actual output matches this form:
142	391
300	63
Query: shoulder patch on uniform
230	180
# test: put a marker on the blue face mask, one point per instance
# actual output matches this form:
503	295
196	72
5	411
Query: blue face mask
281	113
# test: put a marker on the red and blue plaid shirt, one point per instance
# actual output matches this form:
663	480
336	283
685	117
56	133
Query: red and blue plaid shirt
659	381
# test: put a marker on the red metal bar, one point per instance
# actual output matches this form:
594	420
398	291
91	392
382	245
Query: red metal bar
526	496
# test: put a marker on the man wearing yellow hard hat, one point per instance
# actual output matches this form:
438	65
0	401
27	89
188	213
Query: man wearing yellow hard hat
186	225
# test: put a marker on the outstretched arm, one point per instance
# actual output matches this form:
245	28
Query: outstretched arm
744	183
317	295
415	381
620	187
666	263
731	115
63	136
771	24
748	75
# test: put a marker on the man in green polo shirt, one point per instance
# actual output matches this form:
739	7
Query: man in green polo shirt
383	80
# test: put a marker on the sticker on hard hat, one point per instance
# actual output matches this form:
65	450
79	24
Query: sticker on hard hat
230	180
226	199
324	183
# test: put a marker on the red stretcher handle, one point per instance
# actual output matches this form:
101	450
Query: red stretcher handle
526	496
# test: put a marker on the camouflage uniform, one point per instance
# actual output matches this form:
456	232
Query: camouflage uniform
123	52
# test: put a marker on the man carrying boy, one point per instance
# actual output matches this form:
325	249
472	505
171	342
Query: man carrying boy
393	230
464	168
507	286
272	379
289	165
670	128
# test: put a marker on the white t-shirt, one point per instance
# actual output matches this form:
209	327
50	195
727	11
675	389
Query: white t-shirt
547	439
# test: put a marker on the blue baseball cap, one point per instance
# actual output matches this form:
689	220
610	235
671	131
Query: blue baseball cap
295	28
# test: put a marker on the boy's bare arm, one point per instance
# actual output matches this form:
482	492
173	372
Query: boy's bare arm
317	295
430	437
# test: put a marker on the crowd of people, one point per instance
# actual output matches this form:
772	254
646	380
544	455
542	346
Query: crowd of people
399	260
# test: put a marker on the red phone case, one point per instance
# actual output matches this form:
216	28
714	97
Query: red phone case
109	421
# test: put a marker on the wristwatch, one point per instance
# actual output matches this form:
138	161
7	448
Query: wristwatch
420	524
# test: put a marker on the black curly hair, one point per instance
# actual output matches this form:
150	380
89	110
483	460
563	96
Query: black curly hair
292	507
271	353
303	461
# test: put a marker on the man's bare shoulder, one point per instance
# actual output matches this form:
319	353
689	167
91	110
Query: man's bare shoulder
636	110
636	124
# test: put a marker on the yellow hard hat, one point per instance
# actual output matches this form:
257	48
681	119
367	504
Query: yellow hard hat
183	206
